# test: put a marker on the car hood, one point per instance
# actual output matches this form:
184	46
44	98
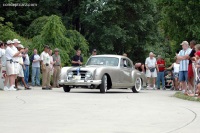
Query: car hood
91	68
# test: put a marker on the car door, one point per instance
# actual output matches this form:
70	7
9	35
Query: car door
126	69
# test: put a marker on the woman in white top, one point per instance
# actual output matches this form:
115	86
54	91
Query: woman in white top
10	65
175	66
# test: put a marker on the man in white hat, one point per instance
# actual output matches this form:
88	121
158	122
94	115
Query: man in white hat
10	64
57	67
16	42
151	66
183	70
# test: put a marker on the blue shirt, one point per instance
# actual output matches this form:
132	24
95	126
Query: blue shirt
184	63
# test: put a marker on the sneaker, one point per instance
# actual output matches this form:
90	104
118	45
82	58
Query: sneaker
5	88
154	87
183	91
148	87
12	88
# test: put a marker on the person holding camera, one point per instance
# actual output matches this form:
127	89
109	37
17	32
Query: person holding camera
77	60
11	64
45	65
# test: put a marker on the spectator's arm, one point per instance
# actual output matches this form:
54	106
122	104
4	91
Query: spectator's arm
143	70
170	66
185	57
146	66
74	62
157	67
18	53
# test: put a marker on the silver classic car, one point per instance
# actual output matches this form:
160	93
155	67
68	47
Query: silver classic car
103	72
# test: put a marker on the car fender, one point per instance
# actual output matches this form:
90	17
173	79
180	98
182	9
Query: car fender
136	74
63	73
99	72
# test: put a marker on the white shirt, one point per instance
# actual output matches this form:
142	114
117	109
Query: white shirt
26	61
150	62
15	51
2	52
176	67
21	60
9	53
51	60
37	63
3	57
45	58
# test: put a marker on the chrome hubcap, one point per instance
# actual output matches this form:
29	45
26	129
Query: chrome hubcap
105	83
138	84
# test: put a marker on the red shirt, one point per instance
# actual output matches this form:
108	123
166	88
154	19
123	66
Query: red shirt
161	68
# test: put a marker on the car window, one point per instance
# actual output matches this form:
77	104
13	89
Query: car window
106	61
125	63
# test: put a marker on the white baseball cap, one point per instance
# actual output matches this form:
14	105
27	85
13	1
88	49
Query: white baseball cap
185	43
16	41
20	46
9	42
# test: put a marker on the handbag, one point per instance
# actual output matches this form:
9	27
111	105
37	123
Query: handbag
152	69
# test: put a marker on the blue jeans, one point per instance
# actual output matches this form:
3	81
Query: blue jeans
35	76
160	77
26	74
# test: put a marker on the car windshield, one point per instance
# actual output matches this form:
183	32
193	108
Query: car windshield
105	61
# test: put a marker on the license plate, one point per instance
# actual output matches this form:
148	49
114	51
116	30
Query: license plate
77	78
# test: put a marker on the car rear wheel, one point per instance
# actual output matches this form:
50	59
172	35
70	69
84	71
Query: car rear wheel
138	85
66	88
104	84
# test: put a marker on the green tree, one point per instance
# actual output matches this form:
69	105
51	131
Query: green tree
36	26
180	20
117	26
7	33
55	35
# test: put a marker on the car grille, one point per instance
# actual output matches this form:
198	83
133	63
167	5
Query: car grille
82	73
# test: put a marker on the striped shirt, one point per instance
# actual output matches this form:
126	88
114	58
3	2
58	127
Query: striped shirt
184	63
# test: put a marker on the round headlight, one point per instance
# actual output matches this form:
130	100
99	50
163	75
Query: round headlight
88	75
70	74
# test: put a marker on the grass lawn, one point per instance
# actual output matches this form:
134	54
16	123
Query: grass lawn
185	97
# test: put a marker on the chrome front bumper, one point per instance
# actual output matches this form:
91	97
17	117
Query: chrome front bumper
79	82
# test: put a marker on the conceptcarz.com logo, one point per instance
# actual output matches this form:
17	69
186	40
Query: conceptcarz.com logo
19	4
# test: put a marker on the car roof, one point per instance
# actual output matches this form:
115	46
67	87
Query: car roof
110	55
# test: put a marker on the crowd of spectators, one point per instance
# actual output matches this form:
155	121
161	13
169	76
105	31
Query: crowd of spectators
15	61
180	75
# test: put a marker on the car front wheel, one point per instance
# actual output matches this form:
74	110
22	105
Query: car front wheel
104	84
138	85
66	88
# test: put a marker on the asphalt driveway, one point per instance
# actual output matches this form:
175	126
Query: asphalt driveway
88	111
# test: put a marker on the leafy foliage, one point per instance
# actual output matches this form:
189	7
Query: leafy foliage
7	33
55	35
180	19
111	26
120	26
36	26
